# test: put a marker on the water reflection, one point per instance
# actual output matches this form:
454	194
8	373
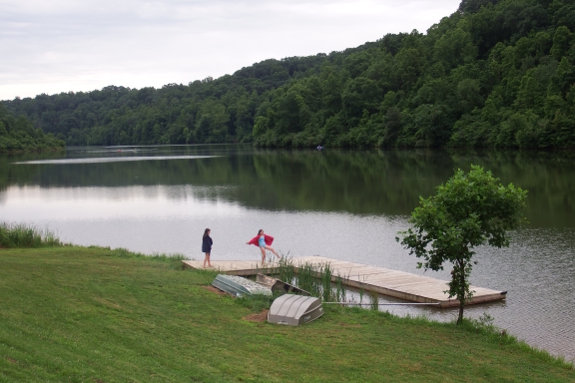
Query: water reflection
342	204
101	160
358	182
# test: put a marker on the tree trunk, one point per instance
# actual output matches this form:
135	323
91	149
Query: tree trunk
461	295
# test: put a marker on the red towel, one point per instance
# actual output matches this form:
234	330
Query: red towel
267	238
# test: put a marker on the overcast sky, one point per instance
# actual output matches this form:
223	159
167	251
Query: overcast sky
73	45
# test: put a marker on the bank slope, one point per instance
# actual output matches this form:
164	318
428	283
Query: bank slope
92	314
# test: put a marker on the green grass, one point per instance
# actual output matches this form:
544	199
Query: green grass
72	314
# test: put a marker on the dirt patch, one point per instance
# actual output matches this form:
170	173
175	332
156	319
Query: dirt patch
258	317
214	290
11	360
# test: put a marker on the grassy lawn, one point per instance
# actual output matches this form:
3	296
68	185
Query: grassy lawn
73	314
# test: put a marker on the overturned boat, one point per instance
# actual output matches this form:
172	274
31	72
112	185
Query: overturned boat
294	310
239	286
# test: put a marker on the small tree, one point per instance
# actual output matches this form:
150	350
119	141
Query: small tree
467	211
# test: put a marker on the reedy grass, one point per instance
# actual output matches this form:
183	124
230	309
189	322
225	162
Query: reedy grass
318	279
285	270
374	300
14	235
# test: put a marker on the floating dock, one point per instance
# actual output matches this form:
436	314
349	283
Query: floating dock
398	284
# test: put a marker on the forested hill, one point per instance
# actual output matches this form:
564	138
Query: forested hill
493	74
19	135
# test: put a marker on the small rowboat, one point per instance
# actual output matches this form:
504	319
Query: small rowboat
239	286
277	285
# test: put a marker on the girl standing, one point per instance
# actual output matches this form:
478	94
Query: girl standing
207	247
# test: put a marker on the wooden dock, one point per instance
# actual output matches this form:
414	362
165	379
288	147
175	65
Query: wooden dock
399	284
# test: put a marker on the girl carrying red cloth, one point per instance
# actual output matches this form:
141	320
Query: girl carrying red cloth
264	242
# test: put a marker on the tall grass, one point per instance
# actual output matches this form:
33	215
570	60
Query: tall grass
285	270
374	301
318	279
24	236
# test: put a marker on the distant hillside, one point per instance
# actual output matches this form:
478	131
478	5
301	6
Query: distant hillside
19	135
493	74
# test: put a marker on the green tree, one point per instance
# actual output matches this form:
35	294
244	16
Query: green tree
392	127
561	42
529	95
455	48
467	211
409	64
469	95
332	87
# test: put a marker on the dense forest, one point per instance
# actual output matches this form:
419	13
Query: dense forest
496	73
19	135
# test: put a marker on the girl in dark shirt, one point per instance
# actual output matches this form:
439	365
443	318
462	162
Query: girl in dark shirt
207	247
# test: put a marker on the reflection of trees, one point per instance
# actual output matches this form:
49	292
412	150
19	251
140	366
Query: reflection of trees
12	175
359	182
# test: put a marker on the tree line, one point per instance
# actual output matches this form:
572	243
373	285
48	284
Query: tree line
493	74
20	135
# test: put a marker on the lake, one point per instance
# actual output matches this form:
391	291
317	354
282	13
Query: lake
341	204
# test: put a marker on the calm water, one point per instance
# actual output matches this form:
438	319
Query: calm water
341	204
